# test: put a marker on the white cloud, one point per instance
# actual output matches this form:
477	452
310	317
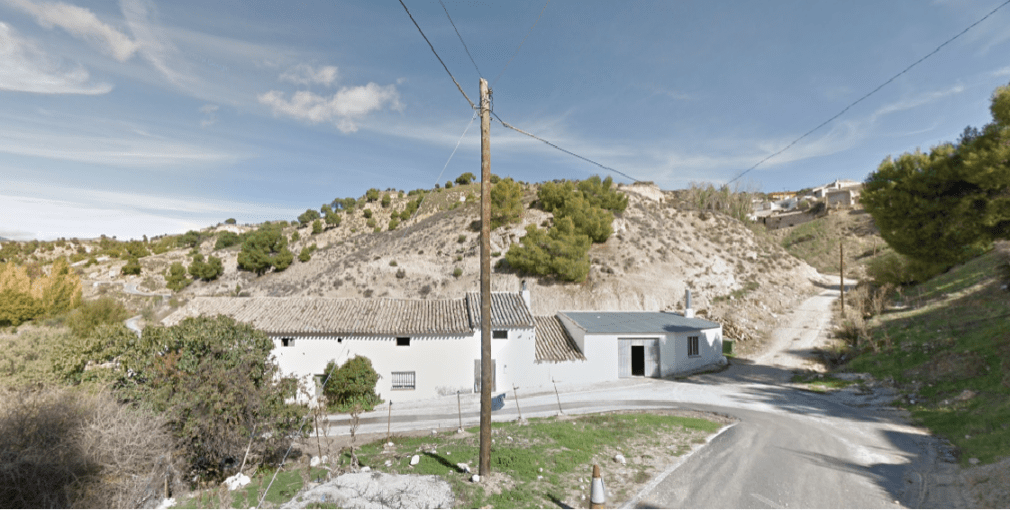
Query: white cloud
80	23
48	212
304	74
155	45
210	112
913	102
1002	72
26	68
344	109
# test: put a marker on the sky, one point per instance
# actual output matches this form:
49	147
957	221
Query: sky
149	117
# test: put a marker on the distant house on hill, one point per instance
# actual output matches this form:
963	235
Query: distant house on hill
839	184
427	348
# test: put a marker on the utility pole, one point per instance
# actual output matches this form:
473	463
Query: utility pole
841	270
485	281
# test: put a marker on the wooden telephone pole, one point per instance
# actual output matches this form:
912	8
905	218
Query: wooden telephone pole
485	280
841	277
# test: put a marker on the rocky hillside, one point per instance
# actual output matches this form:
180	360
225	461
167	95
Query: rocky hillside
656	252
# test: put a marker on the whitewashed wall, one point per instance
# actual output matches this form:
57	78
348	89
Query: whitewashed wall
674	358
442	365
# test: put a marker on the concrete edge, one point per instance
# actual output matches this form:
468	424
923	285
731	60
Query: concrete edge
673	467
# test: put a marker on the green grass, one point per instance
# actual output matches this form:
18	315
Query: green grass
821	384
563	449
283	488
955	338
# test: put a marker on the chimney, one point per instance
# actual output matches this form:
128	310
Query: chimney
525	293
688	311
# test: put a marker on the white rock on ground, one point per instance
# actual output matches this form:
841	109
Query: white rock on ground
415	460
236	482
475	478
314	461
620	458
378	490
464	467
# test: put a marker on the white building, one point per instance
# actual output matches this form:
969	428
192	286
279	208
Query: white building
427	348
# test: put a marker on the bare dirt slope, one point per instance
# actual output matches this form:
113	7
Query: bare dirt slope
656	252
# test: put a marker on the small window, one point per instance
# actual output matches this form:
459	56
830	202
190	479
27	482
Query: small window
403	380
692	346
499	334
403	341
288	342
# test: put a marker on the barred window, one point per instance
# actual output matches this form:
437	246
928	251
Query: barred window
403	380
500	334
288	342
692	346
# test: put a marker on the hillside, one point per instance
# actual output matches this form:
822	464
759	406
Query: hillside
945	346
816	242
655	253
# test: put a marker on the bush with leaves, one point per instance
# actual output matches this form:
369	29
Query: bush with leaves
317	227
105	310
587	219
308	216
352	384
216	383
560	251
206	271
295	236
895	269
466	178
176	278
230	221
393	223
27	293
332	219
506	202
265	249
371	195
190	239
227	239
367	213
386	200
132	267
305	255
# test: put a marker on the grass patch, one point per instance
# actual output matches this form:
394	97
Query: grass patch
950	355
821	384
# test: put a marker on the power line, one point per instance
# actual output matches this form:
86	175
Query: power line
461	39
874	91
520	44
531	135
436	54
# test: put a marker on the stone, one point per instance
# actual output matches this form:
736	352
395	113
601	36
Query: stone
464	467
324	460
966	395
541	469
314	462
389	443
236	482
388	463
366	469
973	461
415	460
434	432
620	458
475	478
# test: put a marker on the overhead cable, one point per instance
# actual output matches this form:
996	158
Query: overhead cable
436	54
882	85
461	39
520	43
531	135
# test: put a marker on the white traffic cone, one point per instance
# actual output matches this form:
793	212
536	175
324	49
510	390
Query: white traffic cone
598	493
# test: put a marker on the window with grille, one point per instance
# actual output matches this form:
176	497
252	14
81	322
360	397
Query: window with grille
403	380
500	334
692	346
288	342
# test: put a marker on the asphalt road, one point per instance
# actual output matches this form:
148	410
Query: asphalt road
790	447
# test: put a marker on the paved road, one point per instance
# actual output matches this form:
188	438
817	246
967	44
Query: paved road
790	448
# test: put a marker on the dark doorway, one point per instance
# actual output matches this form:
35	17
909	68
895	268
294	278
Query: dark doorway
637	360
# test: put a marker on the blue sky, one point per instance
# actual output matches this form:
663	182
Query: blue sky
150	117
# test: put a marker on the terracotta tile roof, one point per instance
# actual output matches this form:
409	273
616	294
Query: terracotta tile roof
508	310
331	316
553	341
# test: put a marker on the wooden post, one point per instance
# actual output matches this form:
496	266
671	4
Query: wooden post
389	419
459	409
515	391
841	277
485	281
556	394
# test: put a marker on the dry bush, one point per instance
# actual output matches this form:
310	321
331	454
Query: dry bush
62	448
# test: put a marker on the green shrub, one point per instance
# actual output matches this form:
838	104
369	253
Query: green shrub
190	239
216	382
560	251
386	200
372	195
295	236
457	272
265	249
371	223
305	255
230	221
466	178
317	227
226	240
896	269
506	202
91	314
461	239
367	213
352	384
448	184
308	216
206	271
176	279
393	223
132	267
332	219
